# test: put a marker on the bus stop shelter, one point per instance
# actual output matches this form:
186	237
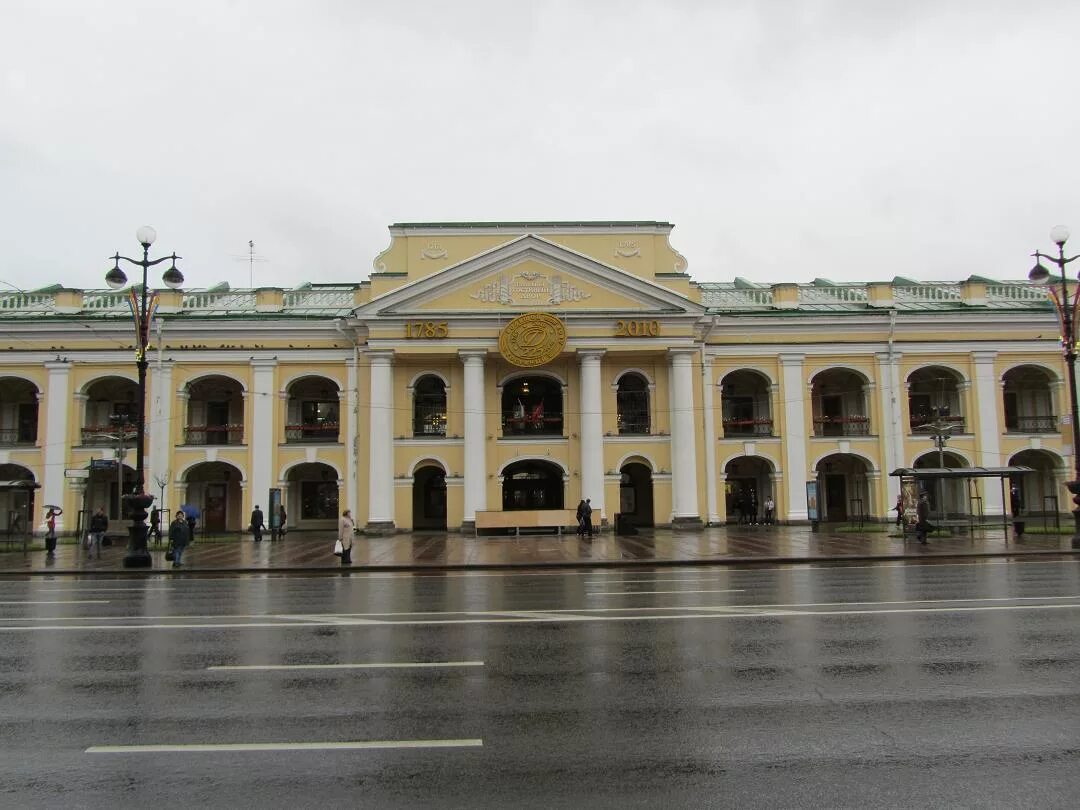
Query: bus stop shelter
17	497
914	480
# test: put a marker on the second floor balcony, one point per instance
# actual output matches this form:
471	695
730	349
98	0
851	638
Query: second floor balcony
1031	424
750	426
319	432
209	435
842	426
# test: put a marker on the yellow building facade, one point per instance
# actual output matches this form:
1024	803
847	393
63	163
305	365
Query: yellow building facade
516	367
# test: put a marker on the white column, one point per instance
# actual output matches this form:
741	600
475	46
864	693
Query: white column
348	410
259	435
160	410
56	440
473	406
986	394
381	460
684	483
793	394
892	437
592	430
708	418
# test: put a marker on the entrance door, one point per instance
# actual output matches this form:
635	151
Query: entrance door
835	497
215	507
429	499
636	496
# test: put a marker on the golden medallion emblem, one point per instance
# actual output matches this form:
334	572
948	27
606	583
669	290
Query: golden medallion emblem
532	339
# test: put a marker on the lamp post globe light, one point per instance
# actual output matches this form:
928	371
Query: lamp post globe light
142	303
1066	307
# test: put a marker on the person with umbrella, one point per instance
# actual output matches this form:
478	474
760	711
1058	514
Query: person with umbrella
191	514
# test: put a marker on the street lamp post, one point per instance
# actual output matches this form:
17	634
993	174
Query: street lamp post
142	306
1066	306
940	430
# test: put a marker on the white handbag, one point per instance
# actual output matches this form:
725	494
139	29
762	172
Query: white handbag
339	548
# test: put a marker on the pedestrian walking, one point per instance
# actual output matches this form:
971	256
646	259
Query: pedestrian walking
179	538
770	511
50	530
899	509
1016	505
282	517
922	512
258	523
99	525
155	524
580	517
586	517
345	536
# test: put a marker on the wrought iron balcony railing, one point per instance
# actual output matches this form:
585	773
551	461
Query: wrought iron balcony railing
209	435
842	426
1032	424
15	437
315	432
757	426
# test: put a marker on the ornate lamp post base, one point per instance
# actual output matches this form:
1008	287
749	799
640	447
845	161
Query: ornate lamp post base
138	555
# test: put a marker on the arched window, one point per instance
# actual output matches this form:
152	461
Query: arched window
429	407
632	404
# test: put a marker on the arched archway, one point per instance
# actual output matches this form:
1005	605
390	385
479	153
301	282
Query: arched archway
429	498
949	498
312	498
313	410
636	495
429	406
1028	399
1039	493
110	402
632	404
213	487
105	488
18	412
745	404
532	407
532	484
748	485
16	503
934	393
838	399
215	411
843	489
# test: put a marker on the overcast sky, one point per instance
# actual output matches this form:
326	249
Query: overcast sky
851	140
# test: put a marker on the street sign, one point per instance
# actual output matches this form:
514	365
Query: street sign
102	464
78	474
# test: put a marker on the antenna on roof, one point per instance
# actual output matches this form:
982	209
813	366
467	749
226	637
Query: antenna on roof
251	258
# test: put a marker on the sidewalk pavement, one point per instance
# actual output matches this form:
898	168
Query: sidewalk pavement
312	551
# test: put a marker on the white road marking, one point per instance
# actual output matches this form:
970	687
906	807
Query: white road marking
59	602
387	665
635	593
580	615
297	746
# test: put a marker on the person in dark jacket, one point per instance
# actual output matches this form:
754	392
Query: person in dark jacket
922	512
258	523
586	517
1016	504
99	524
179	537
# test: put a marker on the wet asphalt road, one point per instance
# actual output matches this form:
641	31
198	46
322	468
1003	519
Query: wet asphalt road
890	685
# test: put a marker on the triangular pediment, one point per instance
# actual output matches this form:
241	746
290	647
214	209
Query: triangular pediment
529	273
